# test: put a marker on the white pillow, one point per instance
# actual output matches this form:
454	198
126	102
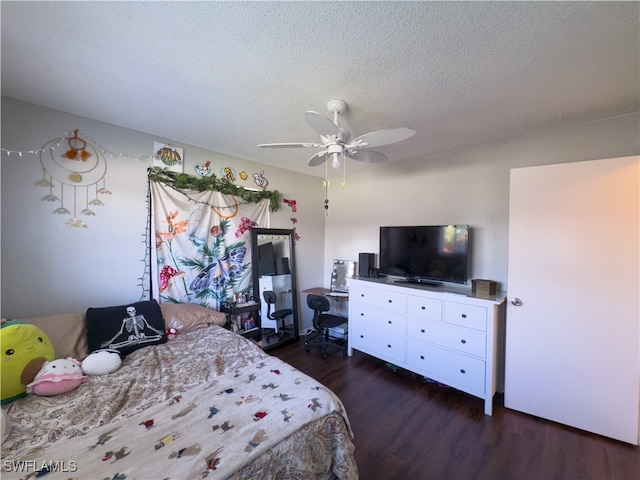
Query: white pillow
101	362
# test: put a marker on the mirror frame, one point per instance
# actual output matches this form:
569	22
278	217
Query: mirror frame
255	242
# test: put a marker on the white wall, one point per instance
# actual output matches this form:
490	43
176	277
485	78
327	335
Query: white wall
466	187
48	268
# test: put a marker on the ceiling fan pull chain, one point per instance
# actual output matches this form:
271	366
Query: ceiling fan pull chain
344	173
326	196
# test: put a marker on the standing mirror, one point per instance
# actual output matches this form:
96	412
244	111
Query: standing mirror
274	285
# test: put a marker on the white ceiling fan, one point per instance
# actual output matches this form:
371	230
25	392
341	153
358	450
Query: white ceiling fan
337	141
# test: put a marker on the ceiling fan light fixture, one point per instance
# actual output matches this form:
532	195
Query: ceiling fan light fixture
335	160
334	150
337	141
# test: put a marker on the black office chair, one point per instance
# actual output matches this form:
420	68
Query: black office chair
322	322
277	315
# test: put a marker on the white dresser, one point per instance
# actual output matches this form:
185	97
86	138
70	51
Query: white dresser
444	333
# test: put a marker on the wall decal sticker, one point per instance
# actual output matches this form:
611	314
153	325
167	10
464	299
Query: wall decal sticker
229	173
169	157
260	180
203	169
292	204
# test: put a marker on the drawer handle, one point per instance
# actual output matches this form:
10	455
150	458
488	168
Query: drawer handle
422	330
389	322
361	314
361	336
464	315
421	357
423	307
463	341
362	295
390	301
388	346
462	370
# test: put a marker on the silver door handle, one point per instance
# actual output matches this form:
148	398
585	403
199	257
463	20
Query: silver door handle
516	301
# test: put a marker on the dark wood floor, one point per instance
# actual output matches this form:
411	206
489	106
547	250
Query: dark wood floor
407	428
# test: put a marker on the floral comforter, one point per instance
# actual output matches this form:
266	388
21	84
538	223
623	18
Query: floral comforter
208	404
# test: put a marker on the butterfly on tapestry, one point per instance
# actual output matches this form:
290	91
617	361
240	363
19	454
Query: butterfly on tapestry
203	245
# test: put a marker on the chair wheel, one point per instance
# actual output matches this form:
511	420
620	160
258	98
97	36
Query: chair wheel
323	356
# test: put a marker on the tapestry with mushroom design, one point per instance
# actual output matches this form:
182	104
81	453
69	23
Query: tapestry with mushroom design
203	243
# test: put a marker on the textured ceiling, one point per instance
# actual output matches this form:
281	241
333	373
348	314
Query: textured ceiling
227	76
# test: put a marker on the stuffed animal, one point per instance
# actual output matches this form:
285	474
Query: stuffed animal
171	333
102	362
55	377
25	348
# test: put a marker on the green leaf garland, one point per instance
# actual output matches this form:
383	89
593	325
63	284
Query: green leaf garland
182	181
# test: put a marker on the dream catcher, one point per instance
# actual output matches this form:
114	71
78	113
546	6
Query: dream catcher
74	171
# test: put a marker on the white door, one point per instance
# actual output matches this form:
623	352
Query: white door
572	345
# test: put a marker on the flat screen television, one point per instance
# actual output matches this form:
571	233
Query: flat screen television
430	254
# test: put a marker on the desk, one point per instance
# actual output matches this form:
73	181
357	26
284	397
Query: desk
325	292
316	291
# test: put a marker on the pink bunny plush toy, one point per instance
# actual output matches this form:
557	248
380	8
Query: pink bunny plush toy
57	376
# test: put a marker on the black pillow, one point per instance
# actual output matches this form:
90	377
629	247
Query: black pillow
126	327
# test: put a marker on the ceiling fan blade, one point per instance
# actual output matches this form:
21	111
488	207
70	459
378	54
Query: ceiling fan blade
289	145
368	156
318	159
323	125
382	137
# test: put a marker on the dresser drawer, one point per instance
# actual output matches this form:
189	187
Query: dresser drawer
461	339
430	308
470	316
361	294
452	368
373	319
391	301
390	346
444	334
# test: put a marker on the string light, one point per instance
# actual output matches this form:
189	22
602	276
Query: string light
20	152
94	142
201	202
145	279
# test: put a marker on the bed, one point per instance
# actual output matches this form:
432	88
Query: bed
205	404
